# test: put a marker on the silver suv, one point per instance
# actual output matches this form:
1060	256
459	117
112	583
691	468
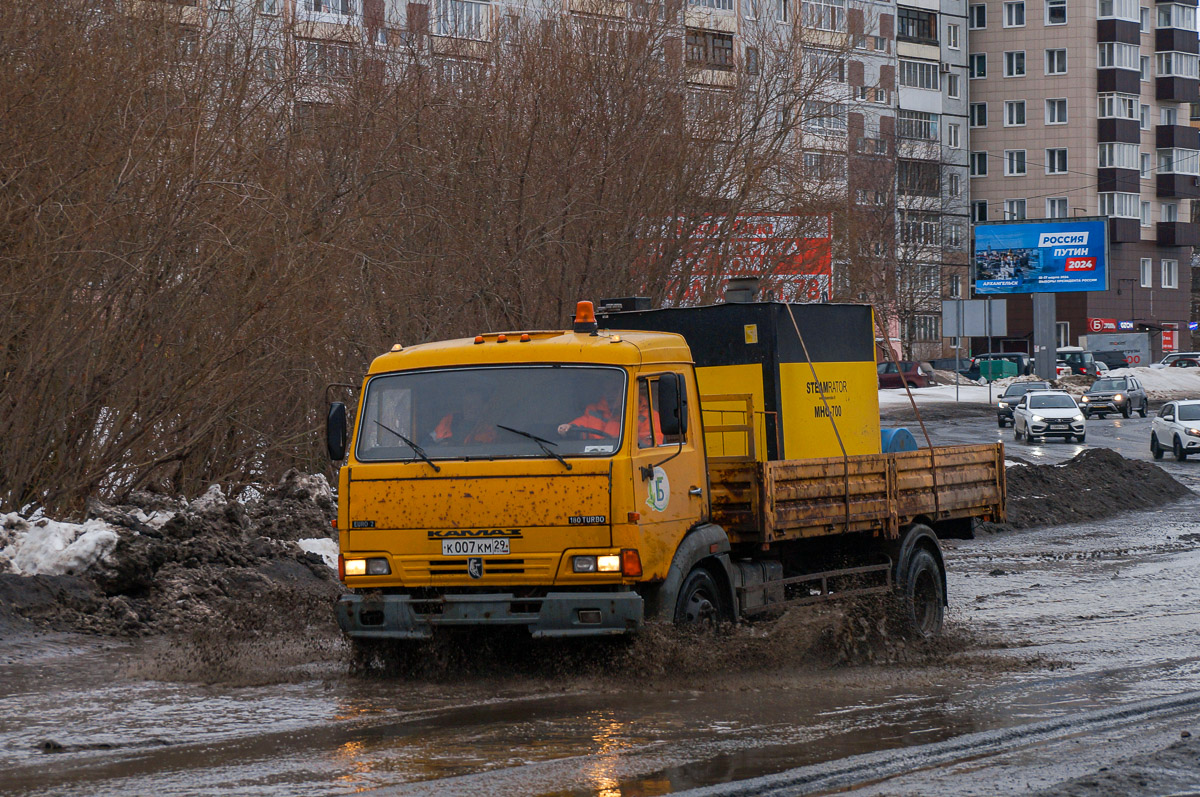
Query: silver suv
1123	394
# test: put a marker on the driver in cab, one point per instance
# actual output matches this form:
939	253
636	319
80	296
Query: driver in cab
599	420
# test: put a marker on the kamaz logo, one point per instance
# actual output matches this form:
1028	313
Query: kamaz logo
452	534
1062	239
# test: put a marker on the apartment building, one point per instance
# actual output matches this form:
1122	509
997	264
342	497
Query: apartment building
1081	108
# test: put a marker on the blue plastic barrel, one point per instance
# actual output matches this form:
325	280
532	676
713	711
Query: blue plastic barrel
897	440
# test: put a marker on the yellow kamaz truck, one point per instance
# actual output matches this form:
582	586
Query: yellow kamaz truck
687	465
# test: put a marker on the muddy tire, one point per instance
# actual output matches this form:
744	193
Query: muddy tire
922	603
699	604
1087	416
1156	450
1001	422
1145	408
1126	411
1016	432
1081	437
1180	454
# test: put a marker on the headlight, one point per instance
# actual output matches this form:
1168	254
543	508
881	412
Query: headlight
1037	419
1002	405
596	564
1194	432
1118	398
1079	417
584	564
375	566
608	564
1084	399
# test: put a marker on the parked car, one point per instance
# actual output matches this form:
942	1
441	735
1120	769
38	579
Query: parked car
1185	362
1113	359
1048	413
1176	428
1101	368
1123	394
1011	395
1080	361
909	373
1166	361
1062	369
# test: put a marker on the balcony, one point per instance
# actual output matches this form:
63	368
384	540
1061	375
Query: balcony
1178	186
1176	137
1176	40
1118	30
1122	180
1176	89
1124	231
1124	81
1178	233
1122	131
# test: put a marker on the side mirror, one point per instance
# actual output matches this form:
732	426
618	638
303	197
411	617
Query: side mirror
335	431
672	405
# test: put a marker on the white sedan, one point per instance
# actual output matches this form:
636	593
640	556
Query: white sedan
1176	428
1048	413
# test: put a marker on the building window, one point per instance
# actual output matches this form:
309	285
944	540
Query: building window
269	7
1014	209
1118	106
1144	20
954	235
325	60
1170	273
1014	15
1117	156
710	50
1014	162
341	8
823	14
1144	216
1179	161
1170	212
1172	15
827	118
979	211
1014	113
917	124
1168	115
1171	64
1115	55
1056	161
1056	12
723	5
977	66
782	12
1056	62
979	164
919	74
1119	205
955	286
1118	9
1144	160
954	185
954	135
464	19
1144	67
952	37
913	25
920	229
1014	63
1144	117
977	17
924	327
977	114
917	178
1147	271
1056	112
751	60
952	90
1056	207
1062	331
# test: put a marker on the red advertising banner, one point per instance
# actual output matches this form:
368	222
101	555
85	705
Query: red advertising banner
789	253
1102	325
1168	340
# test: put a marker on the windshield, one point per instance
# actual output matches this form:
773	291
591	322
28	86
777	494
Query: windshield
458	413
1189	412
1078	357
1109	384
1051	402
1021	388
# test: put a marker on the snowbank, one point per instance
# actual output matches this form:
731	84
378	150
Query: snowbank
325	548
51	547
1165	383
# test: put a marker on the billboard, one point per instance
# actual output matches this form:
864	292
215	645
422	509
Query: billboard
1041	257
789	252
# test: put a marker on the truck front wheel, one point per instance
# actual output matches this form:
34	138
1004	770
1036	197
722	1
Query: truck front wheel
921	595
699	603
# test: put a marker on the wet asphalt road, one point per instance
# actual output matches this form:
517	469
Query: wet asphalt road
1049	625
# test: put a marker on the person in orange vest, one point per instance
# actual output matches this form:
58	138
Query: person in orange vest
467	426
599	419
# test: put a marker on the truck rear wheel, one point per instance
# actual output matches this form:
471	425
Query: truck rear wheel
699	603
921	596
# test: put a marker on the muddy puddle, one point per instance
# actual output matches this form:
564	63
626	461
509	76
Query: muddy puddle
1043	623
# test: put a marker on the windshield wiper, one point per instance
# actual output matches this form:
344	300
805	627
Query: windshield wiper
542	443
420	452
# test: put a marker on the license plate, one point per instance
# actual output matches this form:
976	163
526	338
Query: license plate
1059	426
478	547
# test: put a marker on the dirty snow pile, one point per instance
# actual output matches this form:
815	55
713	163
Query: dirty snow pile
156	563
1163	384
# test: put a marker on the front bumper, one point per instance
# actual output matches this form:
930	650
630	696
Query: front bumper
1057	428
1103	405
558	614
